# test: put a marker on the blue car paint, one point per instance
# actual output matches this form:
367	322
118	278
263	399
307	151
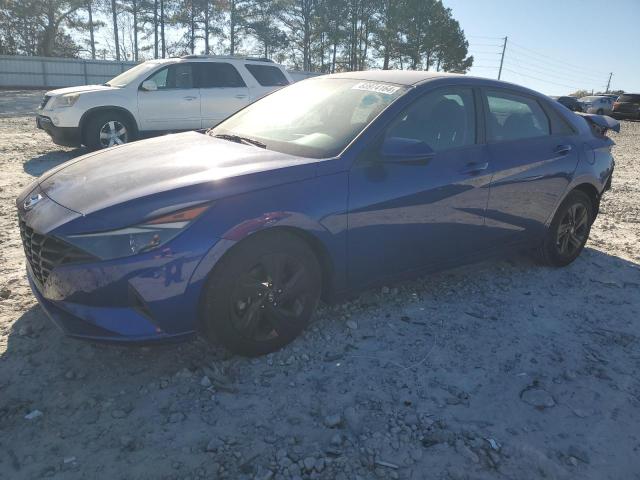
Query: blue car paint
367	221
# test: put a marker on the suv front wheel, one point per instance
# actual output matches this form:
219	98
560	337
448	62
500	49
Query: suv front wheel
106	130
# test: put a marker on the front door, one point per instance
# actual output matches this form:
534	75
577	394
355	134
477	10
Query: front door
222	91
175	105
407	216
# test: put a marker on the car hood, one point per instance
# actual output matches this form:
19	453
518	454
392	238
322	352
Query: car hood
78	89
121	174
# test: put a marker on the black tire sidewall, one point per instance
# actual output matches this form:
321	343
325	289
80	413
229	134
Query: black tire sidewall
550	250
91	132
216	320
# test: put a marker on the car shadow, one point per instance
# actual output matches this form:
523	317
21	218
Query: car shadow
34	332
38	165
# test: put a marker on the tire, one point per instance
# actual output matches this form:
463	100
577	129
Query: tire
600	111
107	129
569	230
262	294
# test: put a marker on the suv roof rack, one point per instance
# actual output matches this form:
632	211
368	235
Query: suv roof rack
234	57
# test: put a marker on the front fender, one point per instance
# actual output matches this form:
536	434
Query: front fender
319	217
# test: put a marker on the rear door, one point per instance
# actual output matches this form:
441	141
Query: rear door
534	154
175	105
222	91
409	215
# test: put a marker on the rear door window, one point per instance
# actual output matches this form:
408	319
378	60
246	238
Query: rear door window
218	75
267	75
513	117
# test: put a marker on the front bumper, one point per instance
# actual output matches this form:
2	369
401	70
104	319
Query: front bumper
147	297
65	136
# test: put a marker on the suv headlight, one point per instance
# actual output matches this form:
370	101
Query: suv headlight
135	239
66	100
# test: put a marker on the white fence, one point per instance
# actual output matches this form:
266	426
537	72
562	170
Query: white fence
48	72
44	72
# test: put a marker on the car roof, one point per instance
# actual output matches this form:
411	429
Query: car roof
214	58
400	77
411	78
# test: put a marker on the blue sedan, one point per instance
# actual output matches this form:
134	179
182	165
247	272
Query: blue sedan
328	186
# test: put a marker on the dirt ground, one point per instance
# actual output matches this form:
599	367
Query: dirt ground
502	370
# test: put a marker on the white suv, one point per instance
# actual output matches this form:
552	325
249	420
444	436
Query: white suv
600	104
185	93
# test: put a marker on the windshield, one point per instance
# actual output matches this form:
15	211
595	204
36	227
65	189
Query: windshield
315	118
589	99
125	78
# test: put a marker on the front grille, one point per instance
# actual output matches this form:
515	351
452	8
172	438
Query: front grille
45	99
44	253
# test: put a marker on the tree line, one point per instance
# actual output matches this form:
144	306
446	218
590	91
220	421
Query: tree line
313	35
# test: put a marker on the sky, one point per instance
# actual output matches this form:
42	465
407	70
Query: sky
554	46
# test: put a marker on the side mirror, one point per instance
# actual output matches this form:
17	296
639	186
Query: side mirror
405	150
149	86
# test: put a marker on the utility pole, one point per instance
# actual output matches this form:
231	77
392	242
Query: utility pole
504	47
609	82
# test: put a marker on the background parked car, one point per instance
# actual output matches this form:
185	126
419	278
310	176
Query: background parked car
599	104
185	93
572	103
627	106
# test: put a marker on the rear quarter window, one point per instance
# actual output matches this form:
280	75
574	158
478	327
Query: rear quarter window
267	75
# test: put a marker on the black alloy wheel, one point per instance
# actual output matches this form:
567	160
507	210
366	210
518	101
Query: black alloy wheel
262	293
569	230
269	299
573	230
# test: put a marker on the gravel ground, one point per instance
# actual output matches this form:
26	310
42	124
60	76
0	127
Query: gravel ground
497	370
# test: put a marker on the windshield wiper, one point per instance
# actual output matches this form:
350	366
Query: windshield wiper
239	139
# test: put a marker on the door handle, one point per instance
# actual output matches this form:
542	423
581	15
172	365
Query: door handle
475	167
562	149
189	98
241	96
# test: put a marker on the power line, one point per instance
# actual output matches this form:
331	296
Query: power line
540	79
549	72
538	64
547	58
484	37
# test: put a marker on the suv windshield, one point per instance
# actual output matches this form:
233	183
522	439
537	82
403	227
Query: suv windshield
125	78
315	118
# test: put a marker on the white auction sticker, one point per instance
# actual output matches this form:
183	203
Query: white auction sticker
376	87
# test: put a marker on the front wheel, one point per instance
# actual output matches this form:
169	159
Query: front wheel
107	130
569	230
600	111
262	294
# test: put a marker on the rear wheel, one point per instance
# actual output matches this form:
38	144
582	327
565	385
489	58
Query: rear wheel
569	230
107	130
262	294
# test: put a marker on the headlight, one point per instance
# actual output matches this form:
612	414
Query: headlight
66	100
136	239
